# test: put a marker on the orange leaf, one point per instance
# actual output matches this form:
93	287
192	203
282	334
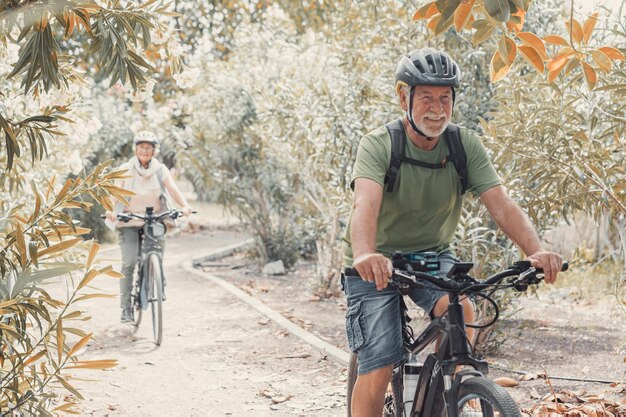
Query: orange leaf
498	68
590	75
555	40
93	364
80	344
426	11
34	358
432	25
553	74
60	339
558	61
556	65
506	382
92	253
462	14
577	30
89	276
612	53
588	26
534	41
601	59
533	57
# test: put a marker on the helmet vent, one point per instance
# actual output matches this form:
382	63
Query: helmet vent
431	64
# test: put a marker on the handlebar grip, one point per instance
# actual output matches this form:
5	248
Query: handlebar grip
564	268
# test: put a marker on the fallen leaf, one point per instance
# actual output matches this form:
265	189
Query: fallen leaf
282	399
506	382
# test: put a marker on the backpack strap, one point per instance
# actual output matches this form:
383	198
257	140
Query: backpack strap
457	154
398	140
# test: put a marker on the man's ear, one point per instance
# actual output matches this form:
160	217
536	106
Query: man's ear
402	96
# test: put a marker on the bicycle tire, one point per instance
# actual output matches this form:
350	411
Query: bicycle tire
155	297
135	298
492	400
137	312
393	406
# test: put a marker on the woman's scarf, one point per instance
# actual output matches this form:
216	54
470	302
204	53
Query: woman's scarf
135	169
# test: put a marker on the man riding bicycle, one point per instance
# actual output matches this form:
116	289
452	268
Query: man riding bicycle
152	182
418	212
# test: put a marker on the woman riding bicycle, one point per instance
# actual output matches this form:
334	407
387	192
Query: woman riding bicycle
152	184
420	214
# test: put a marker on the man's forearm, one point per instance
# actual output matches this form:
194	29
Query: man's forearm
363	230
521	231
517	226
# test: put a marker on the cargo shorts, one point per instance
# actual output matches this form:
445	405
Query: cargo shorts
373	321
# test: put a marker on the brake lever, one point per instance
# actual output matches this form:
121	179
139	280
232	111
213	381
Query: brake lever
528	277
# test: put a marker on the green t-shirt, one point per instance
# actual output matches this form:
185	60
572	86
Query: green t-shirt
424	209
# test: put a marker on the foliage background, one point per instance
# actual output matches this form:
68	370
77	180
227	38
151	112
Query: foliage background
261	105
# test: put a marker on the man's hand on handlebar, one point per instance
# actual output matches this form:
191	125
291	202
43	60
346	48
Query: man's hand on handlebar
186	210
374	267
550	262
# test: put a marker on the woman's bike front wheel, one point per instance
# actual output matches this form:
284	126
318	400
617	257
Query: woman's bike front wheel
480	397
155	296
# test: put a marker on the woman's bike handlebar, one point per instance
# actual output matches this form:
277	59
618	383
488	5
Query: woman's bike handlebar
126	217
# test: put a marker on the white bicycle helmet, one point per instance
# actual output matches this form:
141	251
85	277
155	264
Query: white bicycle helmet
146	136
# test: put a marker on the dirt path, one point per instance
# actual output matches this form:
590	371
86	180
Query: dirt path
219	357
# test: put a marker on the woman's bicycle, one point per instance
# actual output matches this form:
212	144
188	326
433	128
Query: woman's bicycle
149	282
451	381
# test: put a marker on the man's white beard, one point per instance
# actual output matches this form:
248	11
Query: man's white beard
430	133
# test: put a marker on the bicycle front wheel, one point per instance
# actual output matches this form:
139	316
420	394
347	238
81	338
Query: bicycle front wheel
137	311
393	396
480	397
155	297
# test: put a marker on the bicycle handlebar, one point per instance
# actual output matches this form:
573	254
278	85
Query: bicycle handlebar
527	273
126	217
466	284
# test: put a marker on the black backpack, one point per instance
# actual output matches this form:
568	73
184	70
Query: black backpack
452	137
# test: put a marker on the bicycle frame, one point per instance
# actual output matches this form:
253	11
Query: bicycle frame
148	245
439	383
454	350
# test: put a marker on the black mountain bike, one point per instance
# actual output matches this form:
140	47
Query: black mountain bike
442	389
148	283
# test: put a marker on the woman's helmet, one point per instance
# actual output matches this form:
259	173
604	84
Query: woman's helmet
426	66
146	136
